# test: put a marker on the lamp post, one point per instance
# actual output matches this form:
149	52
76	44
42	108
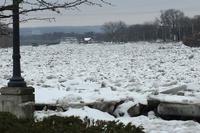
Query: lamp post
17	98
16	80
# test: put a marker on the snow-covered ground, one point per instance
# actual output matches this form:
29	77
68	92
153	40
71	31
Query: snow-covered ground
67	73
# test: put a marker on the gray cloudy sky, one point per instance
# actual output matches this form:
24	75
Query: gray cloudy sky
129	11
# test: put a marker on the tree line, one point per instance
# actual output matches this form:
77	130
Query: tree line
172	25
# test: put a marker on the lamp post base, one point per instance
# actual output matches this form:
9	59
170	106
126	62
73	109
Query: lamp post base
19	101
17	82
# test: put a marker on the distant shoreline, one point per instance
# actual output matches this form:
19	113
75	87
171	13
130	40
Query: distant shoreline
65	29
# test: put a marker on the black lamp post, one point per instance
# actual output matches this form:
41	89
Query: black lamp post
16	80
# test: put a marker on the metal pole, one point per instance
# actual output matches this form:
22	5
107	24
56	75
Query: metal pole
16	80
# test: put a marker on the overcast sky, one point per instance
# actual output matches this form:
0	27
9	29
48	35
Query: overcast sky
129	11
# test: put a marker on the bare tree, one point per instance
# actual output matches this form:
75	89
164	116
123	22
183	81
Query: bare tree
171	18
5	36
115	31
4	29
57	6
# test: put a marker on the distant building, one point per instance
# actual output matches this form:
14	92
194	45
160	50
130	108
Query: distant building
87	40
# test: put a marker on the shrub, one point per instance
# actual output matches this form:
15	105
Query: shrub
192	41
55	124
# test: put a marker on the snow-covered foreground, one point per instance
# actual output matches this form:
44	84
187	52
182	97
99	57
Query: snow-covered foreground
67	73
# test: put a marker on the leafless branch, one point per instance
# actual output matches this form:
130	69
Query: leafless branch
27	6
